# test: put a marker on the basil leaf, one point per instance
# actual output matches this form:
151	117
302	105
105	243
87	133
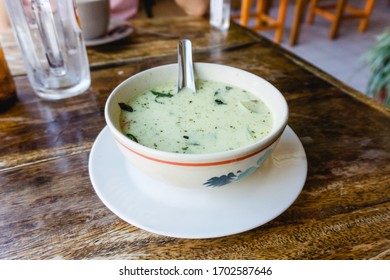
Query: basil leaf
132	137
161	94
125	107
219	102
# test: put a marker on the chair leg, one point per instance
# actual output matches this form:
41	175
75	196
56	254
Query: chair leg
334	29
245	10
299	11
367	12
260	11
312	13
281	18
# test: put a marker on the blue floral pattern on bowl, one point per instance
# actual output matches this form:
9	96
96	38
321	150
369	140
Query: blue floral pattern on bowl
231	177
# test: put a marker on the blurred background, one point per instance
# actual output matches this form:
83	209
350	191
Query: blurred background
349	57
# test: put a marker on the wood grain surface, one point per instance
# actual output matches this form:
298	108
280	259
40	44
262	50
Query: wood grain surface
49	209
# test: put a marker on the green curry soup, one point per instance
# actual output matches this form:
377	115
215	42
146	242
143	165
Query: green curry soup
218	117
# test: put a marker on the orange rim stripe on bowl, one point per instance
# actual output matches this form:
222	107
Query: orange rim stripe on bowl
197	164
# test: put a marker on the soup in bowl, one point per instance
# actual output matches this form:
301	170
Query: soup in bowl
219	135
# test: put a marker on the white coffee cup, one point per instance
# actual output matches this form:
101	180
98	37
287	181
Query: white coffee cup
94	17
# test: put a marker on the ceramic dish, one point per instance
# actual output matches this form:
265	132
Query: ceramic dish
198	213
198	170
117	30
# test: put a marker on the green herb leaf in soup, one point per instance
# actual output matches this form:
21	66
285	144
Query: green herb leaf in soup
125	107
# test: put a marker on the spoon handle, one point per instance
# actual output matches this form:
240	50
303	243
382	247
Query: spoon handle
186	70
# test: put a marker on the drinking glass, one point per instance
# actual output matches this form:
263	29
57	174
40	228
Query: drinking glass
220	14
52	46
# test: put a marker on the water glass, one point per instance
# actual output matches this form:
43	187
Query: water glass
220	14
52	46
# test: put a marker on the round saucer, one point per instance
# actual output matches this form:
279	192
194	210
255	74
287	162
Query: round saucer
204	213
117	30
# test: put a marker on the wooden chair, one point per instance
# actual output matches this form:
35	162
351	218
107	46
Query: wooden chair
338	11
263	20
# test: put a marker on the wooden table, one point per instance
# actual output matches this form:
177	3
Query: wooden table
49	209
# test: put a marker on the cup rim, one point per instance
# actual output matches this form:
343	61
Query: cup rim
201	159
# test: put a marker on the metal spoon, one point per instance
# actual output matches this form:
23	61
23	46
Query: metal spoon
186	69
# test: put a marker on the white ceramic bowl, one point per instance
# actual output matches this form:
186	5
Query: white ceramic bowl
198	170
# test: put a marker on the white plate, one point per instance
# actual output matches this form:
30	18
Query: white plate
204	213
120	34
